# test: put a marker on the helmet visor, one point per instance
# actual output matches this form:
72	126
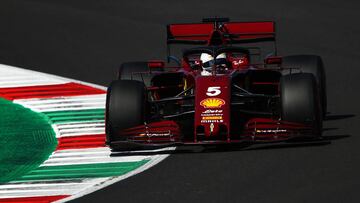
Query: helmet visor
218	61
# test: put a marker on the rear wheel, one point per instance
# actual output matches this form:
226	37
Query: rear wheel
310	64
138	71
300	101
126	107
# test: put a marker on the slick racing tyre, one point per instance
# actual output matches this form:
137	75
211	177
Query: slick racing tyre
300	101
126	107
138	71
310	64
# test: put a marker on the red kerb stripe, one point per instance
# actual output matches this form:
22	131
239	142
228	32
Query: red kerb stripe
80	142
48	91
42	199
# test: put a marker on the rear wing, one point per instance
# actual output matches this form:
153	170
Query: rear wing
231	32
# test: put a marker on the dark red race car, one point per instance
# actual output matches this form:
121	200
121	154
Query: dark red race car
228	89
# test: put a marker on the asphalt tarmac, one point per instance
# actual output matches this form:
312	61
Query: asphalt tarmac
87	40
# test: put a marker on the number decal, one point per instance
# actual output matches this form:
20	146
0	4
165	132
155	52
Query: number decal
213	91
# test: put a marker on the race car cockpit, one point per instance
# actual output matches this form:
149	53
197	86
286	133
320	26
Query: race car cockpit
217	60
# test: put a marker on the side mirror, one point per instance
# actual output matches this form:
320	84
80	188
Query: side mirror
156	64
273	60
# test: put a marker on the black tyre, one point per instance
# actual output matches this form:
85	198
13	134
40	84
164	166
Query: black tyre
310	64
300	101
126	107
138	71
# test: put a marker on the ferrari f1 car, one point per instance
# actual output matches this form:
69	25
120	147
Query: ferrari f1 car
222	91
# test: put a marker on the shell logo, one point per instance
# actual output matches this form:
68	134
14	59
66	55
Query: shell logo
212	103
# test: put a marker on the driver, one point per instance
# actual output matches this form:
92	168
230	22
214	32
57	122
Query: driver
208	61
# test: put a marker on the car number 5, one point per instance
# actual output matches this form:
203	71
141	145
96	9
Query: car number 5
213	91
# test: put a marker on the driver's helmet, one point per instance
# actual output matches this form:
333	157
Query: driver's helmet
208	61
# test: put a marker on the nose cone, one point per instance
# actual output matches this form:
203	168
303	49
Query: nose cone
212	108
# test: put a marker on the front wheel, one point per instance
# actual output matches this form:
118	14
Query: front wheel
300	101
310	64
126	107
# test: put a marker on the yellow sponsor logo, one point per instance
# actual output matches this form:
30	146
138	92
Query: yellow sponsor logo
212	103
212	118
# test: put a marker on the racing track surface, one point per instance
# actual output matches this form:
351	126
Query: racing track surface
87	40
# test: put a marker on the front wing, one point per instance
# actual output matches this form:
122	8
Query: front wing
168	133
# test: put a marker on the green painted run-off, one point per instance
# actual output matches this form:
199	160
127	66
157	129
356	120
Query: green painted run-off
82	171
87	115
26	140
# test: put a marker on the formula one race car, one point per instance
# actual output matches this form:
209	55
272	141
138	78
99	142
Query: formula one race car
218	93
